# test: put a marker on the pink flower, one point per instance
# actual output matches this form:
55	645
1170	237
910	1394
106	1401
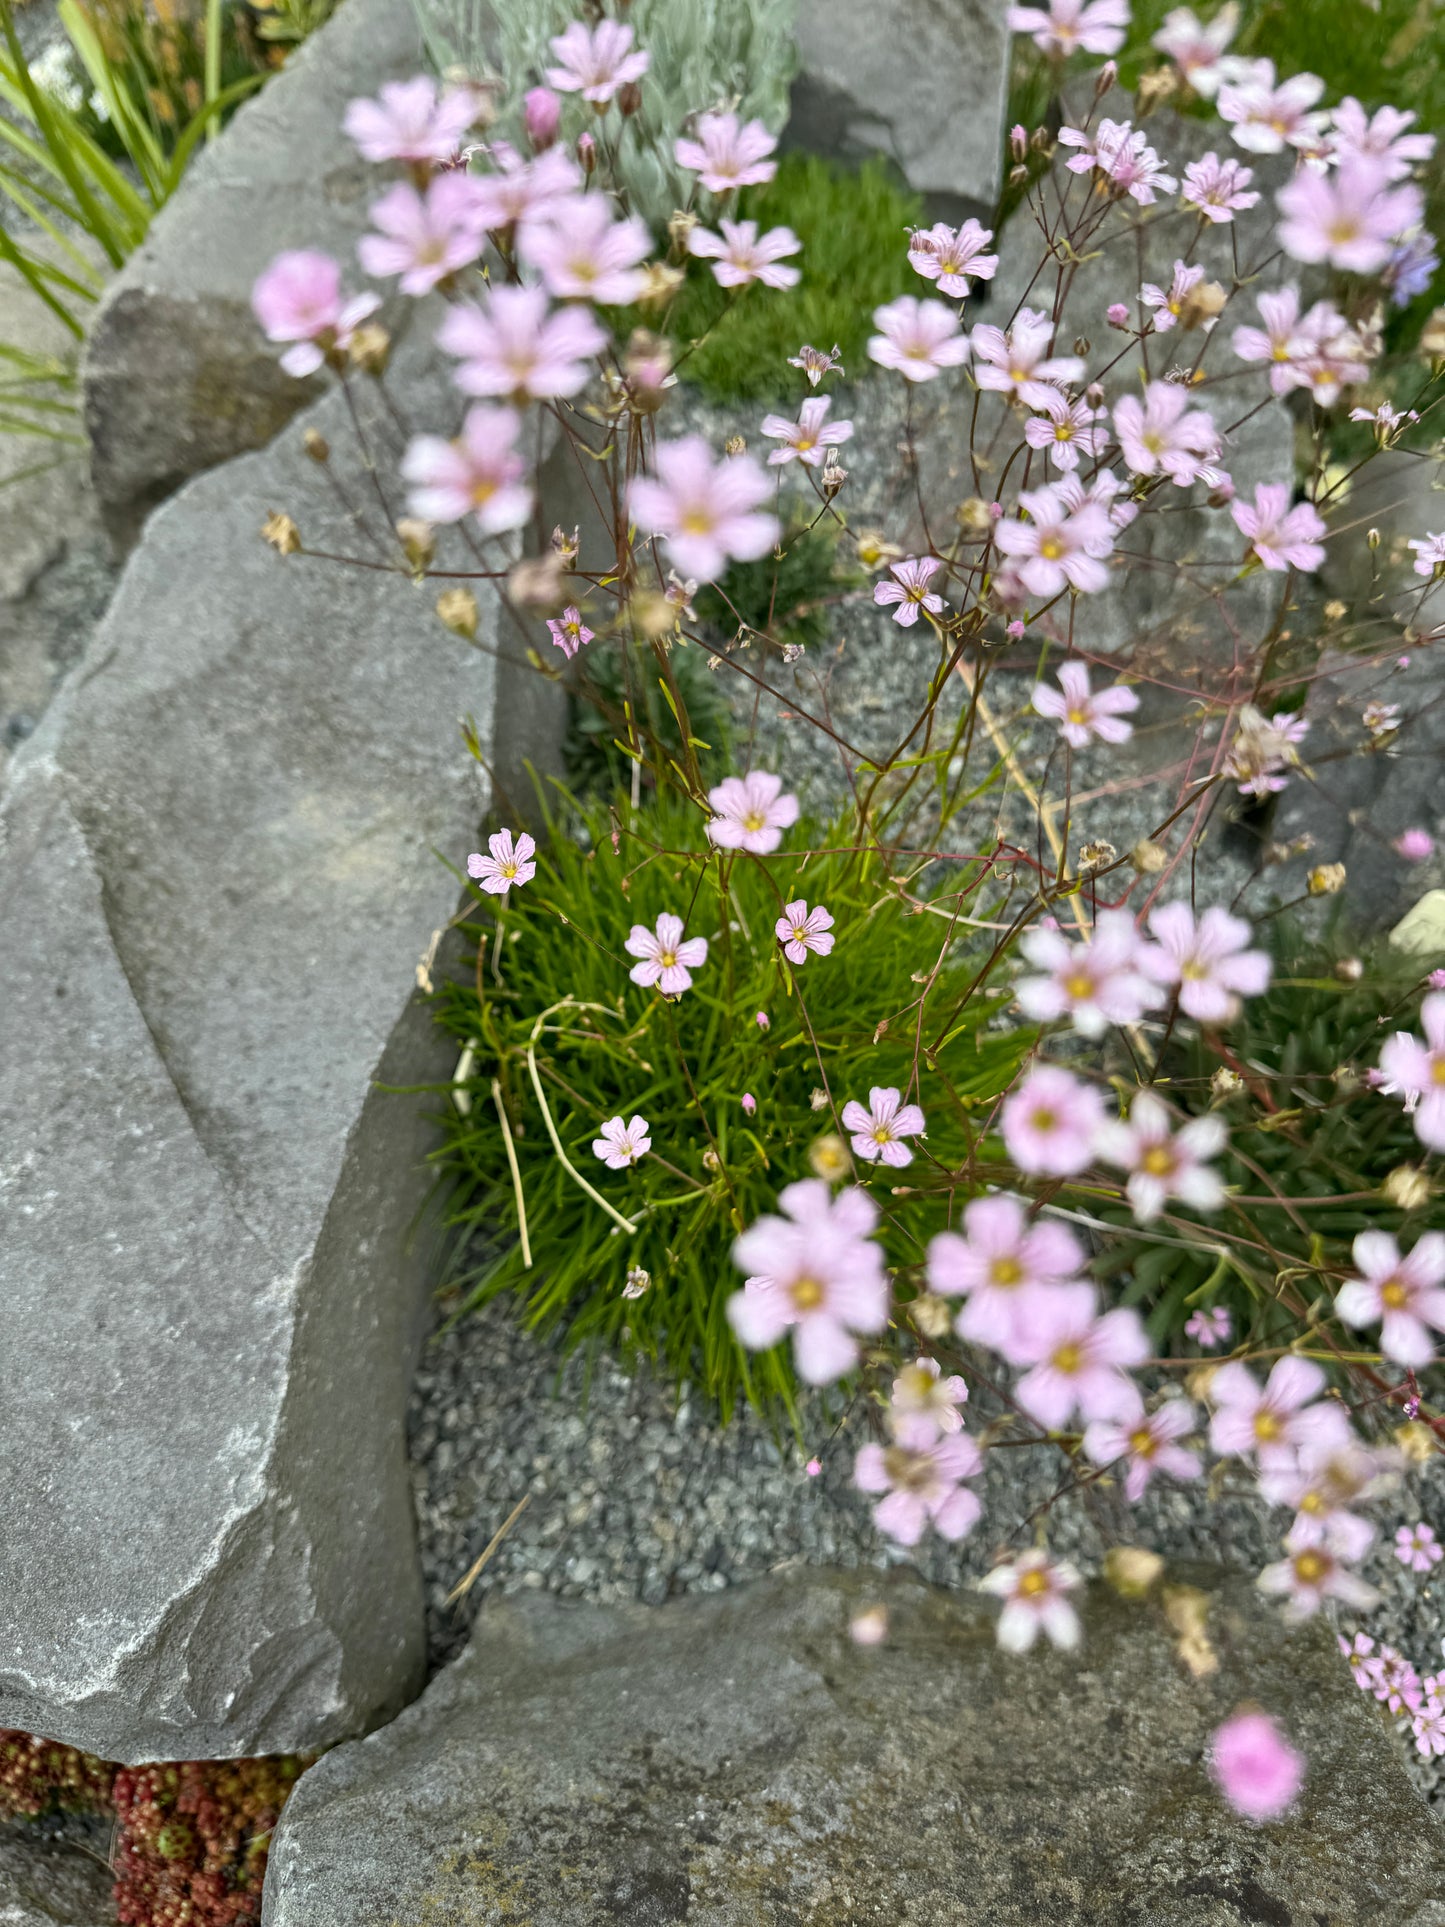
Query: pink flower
1397	1683
1416	846
815	363
1310	1575
1418	1070
1322	1489
763	1021
1146	1443
1417	1549
520	191
569	632
1168	304
1008	1267
1360	1654
1094	984
1049	1122
726	154
1164	435
298	299
741	258
410	121
1428	1727
1197	47
1080	714
879	1131
513	346
751	812
813	1468
921	1391
1383	139
507	864
1264	747
1066	430
1034	1590
1062	545
1429	553
1117	314
1403	1294
596	63
1017	362
1350	218
667	961
541	116
809	437
1164	1163
1123	156
1073	26
706	511
1267	117
909	589
1210	1328
1257	1770
1282	537
1218	189
817	1270
922	1475
749	1103
1282	342
1207	960
582	254
478	474
1276	1421
918	338
800	930
620	1145
424	238
1078	1356
952	259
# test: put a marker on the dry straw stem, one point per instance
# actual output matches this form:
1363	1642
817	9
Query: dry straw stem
469	1578
567	1165
511	1150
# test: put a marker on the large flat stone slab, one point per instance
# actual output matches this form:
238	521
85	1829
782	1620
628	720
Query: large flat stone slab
737	1759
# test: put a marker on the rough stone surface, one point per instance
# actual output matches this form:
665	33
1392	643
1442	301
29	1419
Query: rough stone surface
927	90
219	861
738	1759
53	1873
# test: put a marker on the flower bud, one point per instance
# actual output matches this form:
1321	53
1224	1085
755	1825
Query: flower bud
418	541
1082	344
1117	314
1225	1083
316	445
587	153
1335	611
1148	857
829	1158
735	445
763	1021
638	1280
541	116
679	228
1131	1571
1105	78
710	1160
931	1315
457	611
748	1102
1018	142
1407	1187
1326	879
834	475
1349	970
1372	539
370	349
282	533
1203	303
629	99
1018	177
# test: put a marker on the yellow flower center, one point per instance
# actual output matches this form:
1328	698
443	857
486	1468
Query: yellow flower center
755	820
807	1294
1051	548
1266	1427
509	870
1068	1358
912	1471
1143	1443
1192	972
1394	1296
483	489
1344	229
1309	1568
1006	1272
1063	431
1079	985
696	522
1033	1582
1437	1071
668	959
882	1134
1045	1121
1158	1161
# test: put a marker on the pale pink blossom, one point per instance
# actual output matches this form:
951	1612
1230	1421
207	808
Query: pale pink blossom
749	1103
1282	537
1035	1592
569	632
1263	750
595	62
1079	1359
740	257
1065	27
1196	47
751	812
1383	137
541	117
583	254
918	338
1416	846
519	191
1350	218
878	1132
1428	1727
297	298
1018	362
666	960
1322	1490
410	120
1147	1443
1168	303
809	438
921	1391
1277	1421
1257	1770
816	1270
707	512
1207	959
1397	1684
1103	491
1385	420
1267	115
1123	156
1081	714
1117	314
620	1145
922	1474
424	237
952	259
727	154
909	591
1066	430
1309	1575
1162	434
815	362
479	474
1093	984
1364	1666
1162	1162
1006	1267
506	863
1049	1122
1210	1328
1417	1069
1429	553
514	347
1403	1295
800	930
1062	545
1417	1549
1282	342
1218	189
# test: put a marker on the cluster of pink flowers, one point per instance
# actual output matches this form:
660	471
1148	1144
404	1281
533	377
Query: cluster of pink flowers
1417	1701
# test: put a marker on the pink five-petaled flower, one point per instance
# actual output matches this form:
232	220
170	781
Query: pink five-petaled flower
751	812
1417	1548
298	299
1322	1489
1195	47
1403	1294
1208	960
918	338
1310	1574
1049	1122
507	864
424	237
478	474
520	191
921	1472
809	438
800	930
1061	546
1162	434
1364	1666
1282	537
667	960
1123	156
727	154
1147	1442
1082	715
1218	189
1267	115
878	1132
1255	1767
1382	138
596	62
909	589
1277	1420
1007	1267
1066	429
816	1269
1018	362
921	1391
1093	984
1164	1163
1349	218
1418	1070
706	511
569	632
1073	26
1397	1684
1428	1727
1210	1328
739	257
816	362
583	254
952	259
1168	303
410	121
1078	1358
620	1145
1429	552
514	347
1034	1590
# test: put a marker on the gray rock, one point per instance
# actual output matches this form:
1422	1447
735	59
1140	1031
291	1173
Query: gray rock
924	83
53	1873
737	1759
